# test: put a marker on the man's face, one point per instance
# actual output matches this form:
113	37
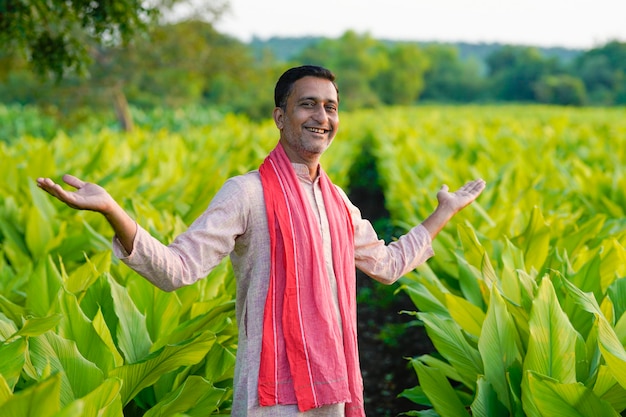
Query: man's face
310	121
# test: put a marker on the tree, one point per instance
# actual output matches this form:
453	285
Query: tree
603	71
449	78
403	80
561	89
357	58
514	71
55	36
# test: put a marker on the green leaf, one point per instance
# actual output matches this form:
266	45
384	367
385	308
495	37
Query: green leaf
214	321
104	401
85	275
78	376
499	347
535	240
439	391
5	390
38	400
37	326
416	395
39	232
552	339
612	351
476	255
76	326
486	402
452	345
555	399
43	286
132	335
607	388
163	310
196	397
468	316
140	375
13	358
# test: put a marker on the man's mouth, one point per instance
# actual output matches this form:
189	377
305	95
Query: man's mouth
317	130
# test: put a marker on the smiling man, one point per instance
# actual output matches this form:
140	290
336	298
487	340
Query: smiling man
294	240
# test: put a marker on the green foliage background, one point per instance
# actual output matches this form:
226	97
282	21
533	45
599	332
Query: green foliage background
523	300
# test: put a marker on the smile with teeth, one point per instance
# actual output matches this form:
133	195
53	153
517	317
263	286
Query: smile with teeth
316	130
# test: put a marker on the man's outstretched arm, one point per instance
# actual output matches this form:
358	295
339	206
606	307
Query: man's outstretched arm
89	196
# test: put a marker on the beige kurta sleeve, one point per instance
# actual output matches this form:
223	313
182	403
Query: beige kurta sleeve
195	252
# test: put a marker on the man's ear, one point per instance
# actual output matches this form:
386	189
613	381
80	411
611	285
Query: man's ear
278	117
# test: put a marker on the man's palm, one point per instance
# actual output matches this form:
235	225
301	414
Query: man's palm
462	197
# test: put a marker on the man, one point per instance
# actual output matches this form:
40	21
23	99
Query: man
294	240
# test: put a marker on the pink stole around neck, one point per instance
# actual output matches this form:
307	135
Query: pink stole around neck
306	358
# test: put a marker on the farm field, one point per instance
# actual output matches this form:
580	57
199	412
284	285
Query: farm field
524	301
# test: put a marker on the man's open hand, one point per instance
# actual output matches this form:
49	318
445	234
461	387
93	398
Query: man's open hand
88	196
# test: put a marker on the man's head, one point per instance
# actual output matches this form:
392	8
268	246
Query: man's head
306	113
285	83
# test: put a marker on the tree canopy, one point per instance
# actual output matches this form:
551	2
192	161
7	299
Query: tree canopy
132	53
55	36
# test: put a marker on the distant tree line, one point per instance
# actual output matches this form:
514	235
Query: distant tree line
189	63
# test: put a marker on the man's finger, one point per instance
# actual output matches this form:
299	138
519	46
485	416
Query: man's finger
73	181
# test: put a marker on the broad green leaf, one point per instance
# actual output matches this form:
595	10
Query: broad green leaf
617	293
11	310
448	370
220	363
104	401
499	347
613	268
416	395
37	326
612	351
607	388
104	334
78	375
7	327
139	375
132	335
587	277
534	241
13	358
39	232
163	310
471	282
76	326
452	345
585	232
555	399
85	275
43	286
213	321
468	316
486	402
5	390
196	397
440	392
620	329
38	400
475	253
552	340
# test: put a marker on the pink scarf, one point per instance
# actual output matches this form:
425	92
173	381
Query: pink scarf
306	358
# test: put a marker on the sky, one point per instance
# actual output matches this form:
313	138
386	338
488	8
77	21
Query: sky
579	24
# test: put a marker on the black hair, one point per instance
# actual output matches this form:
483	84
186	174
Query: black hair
286	81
